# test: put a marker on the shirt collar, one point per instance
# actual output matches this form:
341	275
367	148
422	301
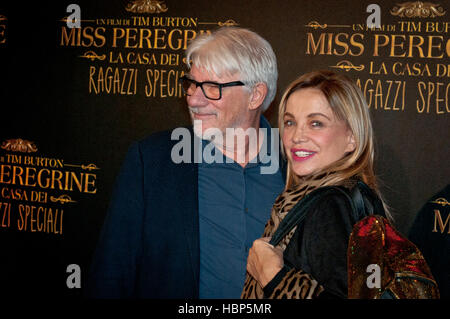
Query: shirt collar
266	147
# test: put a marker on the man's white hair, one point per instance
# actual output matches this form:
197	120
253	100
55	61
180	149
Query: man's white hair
231	49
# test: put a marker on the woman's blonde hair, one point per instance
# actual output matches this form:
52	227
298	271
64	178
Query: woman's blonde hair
349	105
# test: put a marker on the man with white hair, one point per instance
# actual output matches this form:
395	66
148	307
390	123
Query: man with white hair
181	220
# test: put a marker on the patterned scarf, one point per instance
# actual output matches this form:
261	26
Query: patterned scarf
283	204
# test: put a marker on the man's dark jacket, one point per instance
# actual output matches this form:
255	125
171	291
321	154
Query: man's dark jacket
149	244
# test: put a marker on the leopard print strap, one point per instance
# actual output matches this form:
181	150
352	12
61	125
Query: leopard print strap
283	204
296	284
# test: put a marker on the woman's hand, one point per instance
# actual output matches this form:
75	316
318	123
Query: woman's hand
264	261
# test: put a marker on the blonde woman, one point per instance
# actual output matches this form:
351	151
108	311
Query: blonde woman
328	141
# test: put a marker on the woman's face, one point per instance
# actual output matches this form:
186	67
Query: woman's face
313	138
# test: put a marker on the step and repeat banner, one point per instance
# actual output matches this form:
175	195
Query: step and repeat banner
73	98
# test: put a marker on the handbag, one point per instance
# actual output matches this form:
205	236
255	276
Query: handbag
377	249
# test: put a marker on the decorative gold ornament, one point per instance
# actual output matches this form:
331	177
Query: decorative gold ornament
418	9
19	145
63	199
146	6
316	25
92	56
347	66
441	201
88	167
65	19
228	23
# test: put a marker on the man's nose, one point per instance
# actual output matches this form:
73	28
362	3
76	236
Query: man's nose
197	98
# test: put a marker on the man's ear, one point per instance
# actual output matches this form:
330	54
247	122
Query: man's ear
258	95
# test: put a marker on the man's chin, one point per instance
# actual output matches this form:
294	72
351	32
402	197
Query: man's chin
206	132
